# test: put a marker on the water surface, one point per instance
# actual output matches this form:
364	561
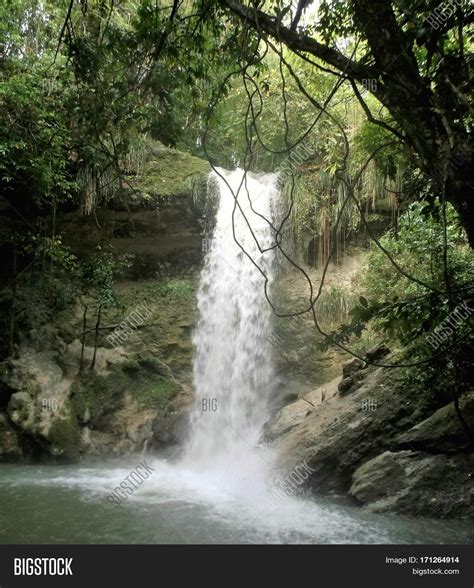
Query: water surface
68	504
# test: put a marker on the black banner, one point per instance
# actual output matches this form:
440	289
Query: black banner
324	566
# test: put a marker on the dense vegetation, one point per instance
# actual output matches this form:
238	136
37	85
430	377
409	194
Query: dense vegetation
383	111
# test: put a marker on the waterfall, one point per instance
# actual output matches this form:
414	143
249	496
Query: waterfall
233	371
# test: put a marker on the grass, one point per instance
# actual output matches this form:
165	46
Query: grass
334	304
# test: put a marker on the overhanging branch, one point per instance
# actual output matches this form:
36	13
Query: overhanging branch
298	42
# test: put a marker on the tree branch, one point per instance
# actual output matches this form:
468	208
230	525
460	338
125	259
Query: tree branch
297	42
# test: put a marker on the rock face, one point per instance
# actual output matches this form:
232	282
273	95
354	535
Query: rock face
169	429
371	442
53	412
342	432
39	408
157	218
49	409
417	483
295	412
10	449
442	431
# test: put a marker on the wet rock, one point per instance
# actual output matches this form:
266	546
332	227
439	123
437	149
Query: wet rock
376	446
286	419
342	432
169	430
294	413
378	477
351	367
417	483
289	398
10	449
351	375
377	353
442	431
346	385
19	402
21	411
171	426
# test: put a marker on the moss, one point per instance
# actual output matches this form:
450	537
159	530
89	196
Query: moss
158	350
168	173
150	382
179	288
154	392
64	436
143	377
98	394
167	331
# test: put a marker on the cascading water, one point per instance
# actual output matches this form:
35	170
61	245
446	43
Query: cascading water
233	371
221	490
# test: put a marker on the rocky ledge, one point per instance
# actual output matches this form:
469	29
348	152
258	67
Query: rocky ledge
365	437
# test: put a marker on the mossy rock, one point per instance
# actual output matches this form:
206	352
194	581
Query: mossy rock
168	172
96	395
151	382
63	437
145	379
155	393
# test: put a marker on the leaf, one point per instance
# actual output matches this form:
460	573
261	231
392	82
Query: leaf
363	301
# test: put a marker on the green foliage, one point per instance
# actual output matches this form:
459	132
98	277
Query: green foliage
371	137
408	305
425	385
334	305
33	137
48	288
74	115
99	273
418	247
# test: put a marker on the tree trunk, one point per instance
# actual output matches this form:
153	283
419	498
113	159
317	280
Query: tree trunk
96	337
83	343
11	337
460	193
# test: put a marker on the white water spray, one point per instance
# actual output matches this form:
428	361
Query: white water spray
233	371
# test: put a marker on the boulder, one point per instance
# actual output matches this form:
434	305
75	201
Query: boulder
294	413
10	449
378	477
417	483
20	403
39	407
341	432
169	430
442	431
351	375
351	367
380	448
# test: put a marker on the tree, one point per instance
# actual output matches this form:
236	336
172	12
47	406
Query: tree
97	277
416	56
